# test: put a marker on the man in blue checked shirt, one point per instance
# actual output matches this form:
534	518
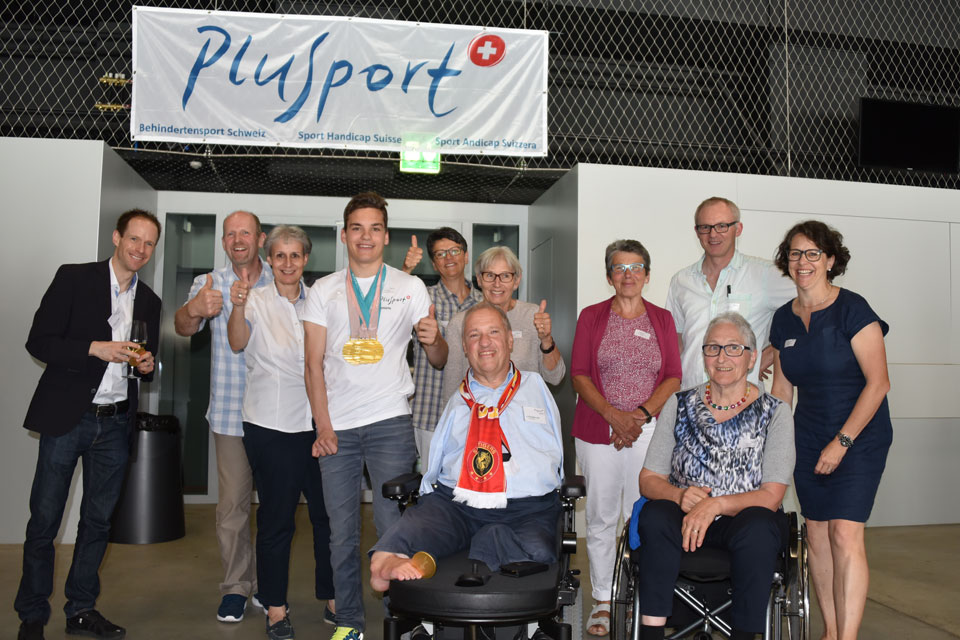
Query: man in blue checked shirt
501	502
210	300
448	254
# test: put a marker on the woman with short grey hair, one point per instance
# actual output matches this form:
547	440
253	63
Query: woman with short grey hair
278	431
625	364
498	272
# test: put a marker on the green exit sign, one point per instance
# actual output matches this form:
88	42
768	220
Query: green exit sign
417	161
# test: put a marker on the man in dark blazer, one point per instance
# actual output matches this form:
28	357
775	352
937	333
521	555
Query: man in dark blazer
84	409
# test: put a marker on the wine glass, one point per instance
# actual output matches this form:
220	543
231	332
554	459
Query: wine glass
138	334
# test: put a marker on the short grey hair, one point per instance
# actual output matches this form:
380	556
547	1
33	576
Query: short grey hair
488	257
734	209
480	306
747	336
288	232
625	246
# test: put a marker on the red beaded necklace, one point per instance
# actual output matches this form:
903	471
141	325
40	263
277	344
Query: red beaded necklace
706	398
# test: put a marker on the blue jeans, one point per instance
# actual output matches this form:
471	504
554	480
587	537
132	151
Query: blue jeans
104	446
387	448
525	530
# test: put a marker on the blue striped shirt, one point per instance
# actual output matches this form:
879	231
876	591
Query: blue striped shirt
227	369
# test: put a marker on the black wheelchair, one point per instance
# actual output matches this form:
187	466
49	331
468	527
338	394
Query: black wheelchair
462	597
702	592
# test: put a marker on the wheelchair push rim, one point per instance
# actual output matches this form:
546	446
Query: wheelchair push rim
621	601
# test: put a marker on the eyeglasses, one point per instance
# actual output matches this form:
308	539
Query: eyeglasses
732	350
443	253
720	227
489	276
633	267
812	255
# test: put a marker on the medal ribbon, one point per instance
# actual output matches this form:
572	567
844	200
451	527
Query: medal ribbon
364	310
483	483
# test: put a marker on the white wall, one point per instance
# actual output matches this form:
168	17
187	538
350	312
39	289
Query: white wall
904	262
552	276
51	210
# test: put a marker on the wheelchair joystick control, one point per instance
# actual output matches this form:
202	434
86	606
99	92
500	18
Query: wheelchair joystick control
424	563
474	578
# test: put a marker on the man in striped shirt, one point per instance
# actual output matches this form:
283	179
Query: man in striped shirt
448	254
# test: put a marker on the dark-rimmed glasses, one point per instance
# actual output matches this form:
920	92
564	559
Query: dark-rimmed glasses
443	253
489	276
720	227
812	255
732	350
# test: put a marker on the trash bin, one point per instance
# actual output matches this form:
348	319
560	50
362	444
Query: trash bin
150	508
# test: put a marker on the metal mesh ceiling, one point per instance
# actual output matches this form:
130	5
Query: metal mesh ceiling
752	86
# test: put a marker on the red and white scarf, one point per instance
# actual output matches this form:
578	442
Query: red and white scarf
483	483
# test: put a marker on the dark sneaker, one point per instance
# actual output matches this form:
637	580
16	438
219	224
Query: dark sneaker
92	624
328	616
30	631
280	630
231	608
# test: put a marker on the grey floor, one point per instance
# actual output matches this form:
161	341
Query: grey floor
169	590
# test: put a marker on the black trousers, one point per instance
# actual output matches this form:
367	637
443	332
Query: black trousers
753	537
283	468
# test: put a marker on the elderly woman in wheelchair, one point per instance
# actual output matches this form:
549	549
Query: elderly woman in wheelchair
715	475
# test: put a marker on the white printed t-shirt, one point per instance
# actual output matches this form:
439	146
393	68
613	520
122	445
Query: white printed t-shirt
358	395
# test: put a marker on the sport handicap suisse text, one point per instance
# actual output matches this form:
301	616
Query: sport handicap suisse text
213	57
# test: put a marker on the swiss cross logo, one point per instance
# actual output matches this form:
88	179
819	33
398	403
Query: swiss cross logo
487	50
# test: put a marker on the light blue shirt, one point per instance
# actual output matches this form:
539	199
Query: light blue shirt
228	371
530	424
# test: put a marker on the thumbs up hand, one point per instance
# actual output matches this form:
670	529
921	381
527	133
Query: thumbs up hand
541	320
239	292
428	329
414	256
208	302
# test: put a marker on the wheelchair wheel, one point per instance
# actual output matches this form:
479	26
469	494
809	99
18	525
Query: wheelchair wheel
793	606
621	604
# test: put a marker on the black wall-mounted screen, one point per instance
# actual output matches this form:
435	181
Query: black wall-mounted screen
905	135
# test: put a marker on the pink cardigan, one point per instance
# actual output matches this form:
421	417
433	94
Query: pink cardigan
588	425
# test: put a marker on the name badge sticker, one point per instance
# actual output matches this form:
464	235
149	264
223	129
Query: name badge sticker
641	334
115	319
789	342
444	323
535	414
517	335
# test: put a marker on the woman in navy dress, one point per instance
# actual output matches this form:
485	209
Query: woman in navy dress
829	345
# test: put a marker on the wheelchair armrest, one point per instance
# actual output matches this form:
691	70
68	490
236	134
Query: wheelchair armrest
573	487
402	487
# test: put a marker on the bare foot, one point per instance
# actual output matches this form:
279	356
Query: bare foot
600	628
385	567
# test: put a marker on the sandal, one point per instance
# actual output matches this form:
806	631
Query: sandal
597	620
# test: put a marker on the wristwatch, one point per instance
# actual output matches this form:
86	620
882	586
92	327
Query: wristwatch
550	350
845	440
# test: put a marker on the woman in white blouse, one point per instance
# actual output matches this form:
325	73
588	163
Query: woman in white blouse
278	430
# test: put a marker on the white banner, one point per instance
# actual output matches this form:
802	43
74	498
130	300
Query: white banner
345	83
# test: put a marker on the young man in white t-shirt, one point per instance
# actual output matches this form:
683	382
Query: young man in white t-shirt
358	383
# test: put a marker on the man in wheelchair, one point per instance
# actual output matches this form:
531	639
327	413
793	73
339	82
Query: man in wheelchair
496	462
715	474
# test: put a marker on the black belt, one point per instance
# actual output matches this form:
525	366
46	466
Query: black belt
107	410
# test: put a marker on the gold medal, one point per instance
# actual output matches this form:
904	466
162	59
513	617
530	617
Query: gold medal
362	351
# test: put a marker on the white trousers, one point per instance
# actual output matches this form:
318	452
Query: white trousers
612	487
